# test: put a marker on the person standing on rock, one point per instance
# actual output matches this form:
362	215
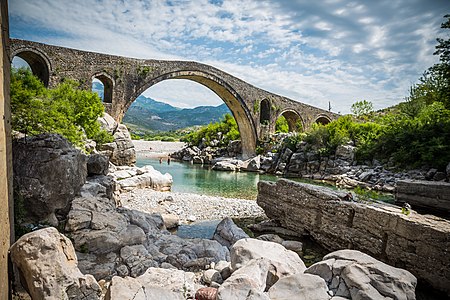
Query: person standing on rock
168	160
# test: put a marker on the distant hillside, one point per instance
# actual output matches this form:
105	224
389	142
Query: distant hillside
148	114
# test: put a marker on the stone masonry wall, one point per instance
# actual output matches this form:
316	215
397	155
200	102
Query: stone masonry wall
418	243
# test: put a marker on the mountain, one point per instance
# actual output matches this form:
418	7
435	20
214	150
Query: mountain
150	115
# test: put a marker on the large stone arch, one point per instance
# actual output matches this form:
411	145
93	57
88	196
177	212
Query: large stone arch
293	118
38	62
231	98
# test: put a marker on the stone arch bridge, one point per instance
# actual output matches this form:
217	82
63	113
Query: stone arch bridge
124	79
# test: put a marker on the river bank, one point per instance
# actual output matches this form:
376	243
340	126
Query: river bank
190	207
156	149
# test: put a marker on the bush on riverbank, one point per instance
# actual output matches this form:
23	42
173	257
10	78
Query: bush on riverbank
223	132
65	109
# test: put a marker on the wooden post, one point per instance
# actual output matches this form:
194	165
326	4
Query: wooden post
6	199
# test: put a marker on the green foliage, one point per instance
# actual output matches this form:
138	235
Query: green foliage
292	141
66	109
228	127
256	106
441	70
143	71
135	136
361	108
281	125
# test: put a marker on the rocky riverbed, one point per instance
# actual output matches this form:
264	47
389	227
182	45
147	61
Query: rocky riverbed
190	207
113	243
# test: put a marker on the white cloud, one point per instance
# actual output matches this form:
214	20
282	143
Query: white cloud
341	51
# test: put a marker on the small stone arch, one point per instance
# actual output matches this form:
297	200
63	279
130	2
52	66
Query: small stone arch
294	120
38	62
264	113
323	119
108	85
222	89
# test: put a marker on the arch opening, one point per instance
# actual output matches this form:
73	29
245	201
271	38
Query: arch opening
36	63
232	100
324	120
289	121
264	115
103	86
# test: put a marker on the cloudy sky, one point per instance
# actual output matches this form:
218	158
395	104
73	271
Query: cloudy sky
310	51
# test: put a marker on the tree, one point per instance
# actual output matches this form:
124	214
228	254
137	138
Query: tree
363	107
441	70
66	109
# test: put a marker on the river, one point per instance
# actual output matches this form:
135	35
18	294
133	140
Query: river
197	179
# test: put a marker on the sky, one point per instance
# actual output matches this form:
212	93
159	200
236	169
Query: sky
315	52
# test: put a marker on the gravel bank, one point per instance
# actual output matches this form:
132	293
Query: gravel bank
156	148
190	206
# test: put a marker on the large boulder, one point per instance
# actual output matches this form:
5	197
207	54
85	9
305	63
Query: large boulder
155	283
255	277
355	275
48	173
300	287
97	164
227	233
48	267
129	178
286	262
121	151
346	153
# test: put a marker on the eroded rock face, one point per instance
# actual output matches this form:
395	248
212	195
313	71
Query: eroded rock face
285	261
415	242
97	164
355	275
300	287
48	173
49	267
155	283
255	277
432	195
121	151
113	240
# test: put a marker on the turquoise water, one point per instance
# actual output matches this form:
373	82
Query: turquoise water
190	178
197	179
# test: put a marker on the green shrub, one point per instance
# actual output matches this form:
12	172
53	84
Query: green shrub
66	110
228	127
281	125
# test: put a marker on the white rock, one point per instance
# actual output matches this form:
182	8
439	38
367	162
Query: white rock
287	262
363	277
49	266
300	287
212	275
155	283
253	278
